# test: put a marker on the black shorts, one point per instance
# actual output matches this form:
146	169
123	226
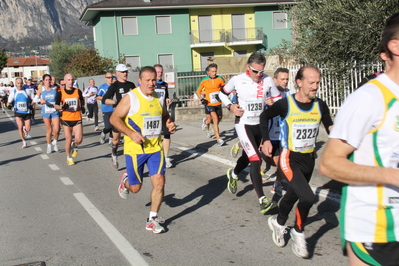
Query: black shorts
23	116
71	123
382	253
217	109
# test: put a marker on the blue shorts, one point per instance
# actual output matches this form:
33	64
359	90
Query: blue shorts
135	166
51	115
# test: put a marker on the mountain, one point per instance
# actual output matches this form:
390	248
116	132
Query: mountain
38	22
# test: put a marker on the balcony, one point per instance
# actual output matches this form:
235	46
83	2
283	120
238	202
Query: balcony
214	38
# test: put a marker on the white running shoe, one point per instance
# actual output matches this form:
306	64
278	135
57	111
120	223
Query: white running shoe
122	190
168	163
49	148
279	231
102	138
114	162
203	124
299	245
24	145
55	144
97	128
220	142
153	225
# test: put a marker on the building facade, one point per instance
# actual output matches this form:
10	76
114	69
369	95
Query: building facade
34	67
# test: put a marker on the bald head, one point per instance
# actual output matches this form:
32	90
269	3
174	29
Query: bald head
69	79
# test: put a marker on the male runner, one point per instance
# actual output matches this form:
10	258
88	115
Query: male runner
92	107
363	152
162	88
113	96
22	103
140	116
31	89
106	109
280	78
210	87
70	101
252	88
3	96
301	114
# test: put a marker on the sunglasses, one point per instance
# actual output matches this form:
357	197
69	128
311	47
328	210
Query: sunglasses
256	71
62	84
108	77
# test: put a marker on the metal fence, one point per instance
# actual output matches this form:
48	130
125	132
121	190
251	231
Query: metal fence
332	89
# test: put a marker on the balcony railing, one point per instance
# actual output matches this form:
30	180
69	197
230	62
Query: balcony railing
231	36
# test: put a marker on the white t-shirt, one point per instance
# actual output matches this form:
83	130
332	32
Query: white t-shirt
251	95
366	123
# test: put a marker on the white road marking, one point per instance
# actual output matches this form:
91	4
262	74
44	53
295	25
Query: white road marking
67	181
131	254
44	156
38	149
54	167
33	143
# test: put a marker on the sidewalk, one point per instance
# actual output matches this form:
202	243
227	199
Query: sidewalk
191	135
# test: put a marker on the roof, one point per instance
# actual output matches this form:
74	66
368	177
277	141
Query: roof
92	10
27	61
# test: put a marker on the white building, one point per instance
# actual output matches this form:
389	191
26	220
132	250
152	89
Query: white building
34	67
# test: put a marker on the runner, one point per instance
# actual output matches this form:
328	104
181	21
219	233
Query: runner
362	152
301	114
162	88
92	107
106	109
22	107
3	97
252	88
140	116
210	87
51	117
280	78
70	101
113	96
31	89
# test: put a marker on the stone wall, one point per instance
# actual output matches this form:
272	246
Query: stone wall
196	113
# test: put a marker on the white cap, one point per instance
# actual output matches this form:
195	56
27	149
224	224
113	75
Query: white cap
121	68
29	77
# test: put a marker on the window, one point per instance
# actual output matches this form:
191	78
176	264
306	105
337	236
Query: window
279	20
166	60
134	61
164	25
129	26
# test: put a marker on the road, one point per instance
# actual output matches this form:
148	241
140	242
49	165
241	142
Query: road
72	215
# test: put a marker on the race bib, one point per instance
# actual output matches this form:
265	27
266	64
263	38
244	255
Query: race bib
73	104
304	135
160	92
49	110
214	97
253	108
152	126
21	106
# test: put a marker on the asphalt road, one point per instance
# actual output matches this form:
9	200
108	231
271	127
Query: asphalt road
72	215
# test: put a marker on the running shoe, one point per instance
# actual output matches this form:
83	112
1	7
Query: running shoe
266	205
114	162
232	182
279	231
75	152
122	190
153	225
203	124
277	188
70	161
220	142
24	145
49	148
208	134
235	149
25	133
102	138
168	163
299	245
55	144
4	111
97	128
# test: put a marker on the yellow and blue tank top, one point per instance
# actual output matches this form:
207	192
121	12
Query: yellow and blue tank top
299	129
146	119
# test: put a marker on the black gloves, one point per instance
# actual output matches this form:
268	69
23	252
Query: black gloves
83	110
9	107
204	101
65	107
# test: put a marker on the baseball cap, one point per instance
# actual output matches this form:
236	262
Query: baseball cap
121	68
29	77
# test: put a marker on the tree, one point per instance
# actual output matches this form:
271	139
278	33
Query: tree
338	33
89	63
3	58
60	55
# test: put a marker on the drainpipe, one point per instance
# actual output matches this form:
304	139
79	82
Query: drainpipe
117	39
